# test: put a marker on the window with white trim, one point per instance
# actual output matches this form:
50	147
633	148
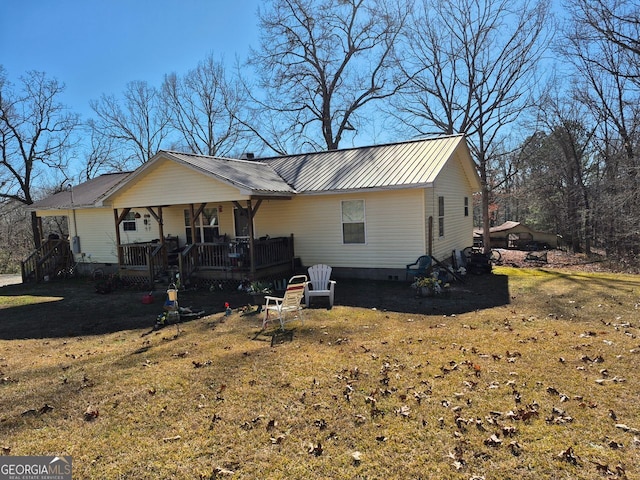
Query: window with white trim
241	222
441	216
353	221
466	206
129	222
207	226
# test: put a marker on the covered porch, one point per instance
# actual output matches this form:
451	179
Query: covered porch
220	255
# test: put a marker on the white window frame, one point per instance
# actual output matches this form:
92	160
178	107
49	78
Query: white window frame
441	210
129	223
200	227
362	221
236	211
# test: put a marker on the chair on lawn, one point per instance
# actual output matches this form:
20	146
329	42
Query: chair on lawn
289	306
320	284
419	268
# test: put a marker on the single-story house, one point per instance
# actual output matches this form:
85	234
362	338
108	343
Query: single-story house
367	212
519	236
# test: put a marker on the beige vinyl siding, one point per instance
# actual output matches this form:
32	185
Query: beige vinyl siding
452	184
393	229
96	229
170	183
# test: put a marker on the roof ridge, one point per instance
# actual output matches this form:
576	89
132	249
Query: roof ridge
200	155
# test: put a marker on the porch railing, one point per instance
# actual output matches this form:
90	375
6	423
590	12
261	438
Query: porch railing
146	257
226	256
237	255
53	257
273	251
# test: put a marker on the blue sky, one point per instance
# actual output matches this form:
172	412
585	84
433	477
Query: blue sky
98	46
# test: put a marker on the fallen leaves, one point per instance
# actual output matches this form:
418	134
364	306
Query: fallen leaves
315	449
569	456
493	441
626	428
91	413
604	469
46	408
404	411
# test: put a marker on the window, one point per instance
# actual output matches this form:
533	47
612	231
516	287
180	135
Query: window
466	206
129	222
353	221
207	226
441	216
241	220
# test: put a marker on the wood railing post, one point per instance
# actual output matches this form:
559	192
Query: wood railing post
150	266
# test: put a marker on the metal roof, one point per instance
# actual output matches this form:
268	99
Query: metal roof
407	164
410	164
83	195
255	176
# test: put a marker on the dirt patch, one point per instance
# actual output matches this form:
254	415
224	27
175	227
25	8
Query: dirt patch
555	259
7	279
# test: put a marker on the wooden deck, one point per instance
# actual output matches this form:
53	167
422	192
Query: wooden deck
208	261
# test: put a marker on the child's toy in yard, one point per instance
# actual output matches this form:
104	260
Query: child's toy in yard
171	309
173	313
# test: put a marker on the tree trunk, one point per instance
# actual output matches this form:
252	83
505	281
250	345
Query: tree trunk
35	228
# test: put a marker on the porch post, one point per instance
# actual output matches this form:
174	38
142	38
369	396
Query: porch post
117	222
193	214
430	239
165	255
252	250
192	223
158	218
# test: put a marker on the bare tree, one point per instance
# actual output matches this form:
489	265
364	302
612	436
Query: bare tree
35	136
574	167
138	123
16	240
472	66
204	107
322	63
611	23
602	43
100	153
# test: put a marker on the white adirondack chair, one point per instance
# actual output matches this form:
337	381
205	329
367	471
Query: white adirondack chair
320	284
289	306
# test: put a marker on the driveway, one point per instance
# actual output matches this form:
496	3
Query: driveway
10	280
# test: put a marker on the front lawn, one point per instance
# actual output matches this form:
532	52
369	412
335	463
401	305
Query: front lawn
523	374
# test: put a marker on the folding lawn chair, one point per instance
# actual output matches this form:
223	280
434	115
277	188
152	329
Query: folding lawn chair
289	306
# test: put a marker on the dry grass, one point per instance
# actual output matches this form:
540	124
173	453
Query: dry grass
526	390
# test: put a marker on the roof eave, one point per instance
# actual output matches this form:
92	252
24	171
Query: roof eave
267	193
367	189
